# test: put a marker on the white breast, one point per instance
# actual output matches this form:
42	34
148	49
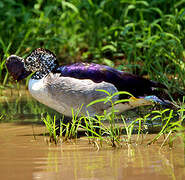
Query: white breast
65	93
39	91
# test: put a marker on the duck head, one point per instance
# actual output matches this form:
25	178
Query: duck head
15	66
40	61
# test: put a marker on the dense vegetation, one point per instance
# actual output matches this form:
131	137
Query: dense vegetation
143	37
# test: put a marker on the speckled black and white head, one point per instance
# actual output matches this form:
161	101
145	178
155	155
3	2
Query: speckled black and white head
40	61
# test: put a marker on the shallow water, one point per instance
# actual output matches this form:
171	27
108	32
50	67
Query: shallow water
24	156
25	153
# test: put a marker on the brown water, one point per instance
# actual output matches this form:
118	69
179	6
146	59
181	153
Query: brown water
27	156
24	156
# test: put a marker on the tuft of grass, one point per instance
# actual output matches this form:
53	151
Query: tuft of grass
173	124
112	131
70	129
105	129
50	124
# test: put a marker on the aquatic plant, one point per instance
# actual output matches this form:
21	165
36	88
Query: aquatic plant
69	129
50	124
112	131
173	126
106	129
1	116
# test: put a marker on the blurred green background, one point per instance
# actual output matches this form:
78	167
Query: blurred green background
143	37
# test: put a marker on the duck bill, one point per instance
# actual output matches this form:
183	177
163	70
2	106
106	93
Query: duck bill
23	76
15	66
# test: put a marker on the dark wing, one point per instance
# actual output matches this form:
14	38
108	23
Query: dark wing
123	81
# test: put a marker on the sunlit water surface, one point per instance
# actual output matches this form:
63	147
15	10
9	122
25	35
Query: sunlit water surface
25	153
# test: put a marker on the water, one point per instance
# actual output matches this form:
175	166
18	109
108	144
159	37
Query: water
25	153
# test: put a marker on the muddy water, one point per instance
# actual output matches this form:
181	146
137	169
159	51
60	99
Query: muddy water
25	154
